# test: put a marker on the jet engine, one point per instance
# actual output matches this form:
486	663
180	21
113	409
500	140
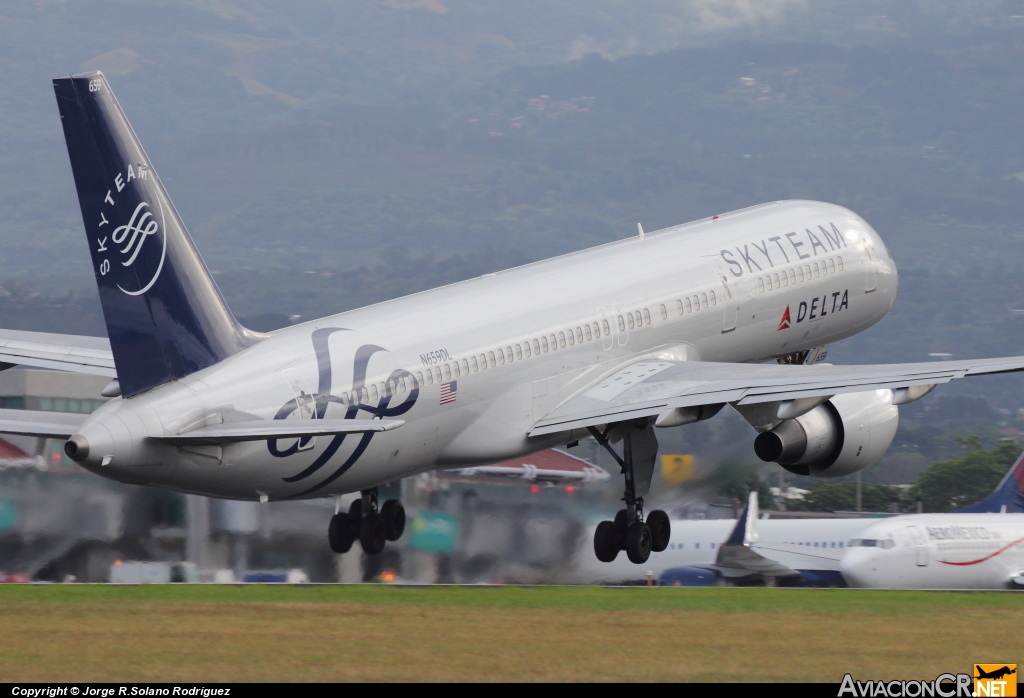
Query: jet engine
841	436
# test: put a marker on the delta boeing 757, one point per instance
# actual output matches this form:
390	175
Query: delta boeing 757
615	342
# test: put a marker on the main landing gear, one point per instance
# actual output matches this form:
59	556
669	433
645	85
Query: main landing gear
363	522
629	531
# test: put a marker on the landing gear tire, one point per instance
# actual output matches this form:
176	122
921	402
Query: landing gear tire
355	510
340	533
393	514
638	543
661	530
618	536
606	541
373	534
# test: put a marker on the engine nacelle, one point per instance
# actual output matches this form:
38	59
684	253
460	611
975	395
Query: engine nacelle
842	436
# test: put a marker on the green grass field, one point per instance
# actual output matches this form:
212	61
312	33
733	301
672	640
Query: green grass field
389	633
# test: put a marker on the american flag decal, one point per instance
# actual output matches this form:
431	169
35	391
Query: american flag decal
448	391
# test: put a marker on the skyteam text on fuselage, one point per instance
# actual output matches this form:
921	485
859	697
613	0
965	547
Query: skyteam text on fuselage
615	342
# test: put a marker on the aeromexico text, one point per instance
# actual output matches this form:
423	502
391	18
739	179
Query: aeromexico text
780	250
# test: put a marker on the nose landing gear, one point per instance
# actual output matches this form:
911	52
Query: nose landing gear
363	522
629	531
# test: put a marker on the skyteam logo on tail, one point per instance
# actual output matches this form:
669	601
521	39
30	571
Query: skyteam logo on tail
119	247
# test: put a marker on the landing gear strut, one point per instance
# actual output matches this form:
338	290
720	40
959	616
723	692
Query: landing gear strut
363	522
629	531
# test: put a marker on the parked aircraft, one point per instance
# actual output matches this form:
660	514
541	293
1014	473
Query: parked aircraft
792	552
615	342
980	546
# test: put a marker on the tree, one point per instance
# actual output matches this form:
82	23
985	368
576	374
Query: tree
842	496
951	484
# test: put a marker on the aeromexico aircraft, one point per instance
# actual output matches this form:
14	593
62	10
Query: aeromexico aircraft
614	342
980	546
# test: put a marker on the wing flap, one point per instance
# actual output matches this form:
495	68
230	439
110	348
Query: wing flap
65	352
52	425
258	430
667	385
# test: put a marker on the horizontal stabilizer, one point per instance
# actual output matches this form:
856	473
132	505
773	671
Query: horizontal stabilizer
64	352
258	430
53	425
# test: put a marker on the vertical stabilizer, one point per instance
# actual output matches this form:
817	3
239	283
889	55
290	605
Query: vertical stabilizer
165	316
1008	496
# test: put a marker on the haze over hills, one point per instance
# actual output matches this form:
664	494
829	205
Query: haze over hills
328	155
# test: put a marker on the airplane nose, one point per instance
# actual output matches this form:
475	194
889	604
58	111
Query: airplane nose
856	567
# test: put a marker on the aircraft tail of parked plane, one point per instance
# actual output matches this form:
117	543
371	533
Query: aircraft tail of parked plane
650	332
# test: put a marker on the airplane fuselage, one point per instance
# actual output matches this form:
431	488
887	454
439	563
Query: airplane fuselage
472	366
938	551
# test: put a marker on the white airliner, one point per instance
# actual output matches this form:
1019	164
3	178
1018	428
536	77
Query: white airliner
792	552
977	547
655	331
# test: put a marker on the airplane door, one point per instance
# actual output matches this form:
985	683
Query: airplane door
730	304
871	278
305	402
920	546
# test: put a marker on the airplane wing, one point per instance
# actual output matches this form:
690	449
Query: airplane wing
65	352
737	559
258	430
652	388
53	425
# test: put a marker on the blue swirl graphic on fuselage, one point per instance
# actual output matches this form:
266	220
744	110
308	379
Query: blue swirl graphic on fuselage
324	398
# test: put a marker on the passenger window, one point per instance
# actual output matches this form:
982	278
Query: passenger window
689	308
447	372
816	271
622	324
664	312
519	351
586	330
785	279
508	354
437	373
760	285
696	303
344	398
554	341
775	281
430	378
465	366
608	328
839	261
807	268
455	369
800	274
373	392
473	364
544	344
536	347
831	266
703	300
483	362
680	304
572	340
629	316
501	357
647	316
490	359
419	377
579	335
792	276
